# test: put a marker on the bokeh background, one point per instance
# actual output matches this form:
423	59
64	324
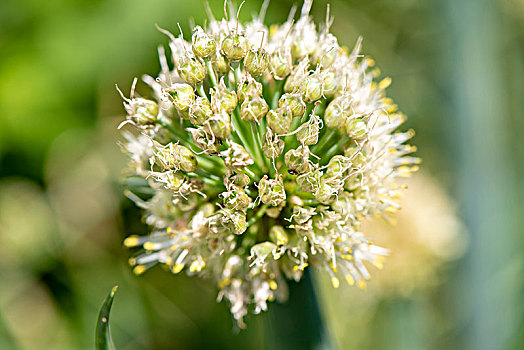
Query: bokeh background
456	277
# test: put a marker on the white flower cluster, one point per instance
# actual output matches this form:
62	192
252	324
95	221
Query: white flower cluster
262	150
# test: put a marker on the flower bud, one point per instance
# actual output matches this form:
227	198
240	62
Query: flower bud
253	108
308	133
182	96
177	157
337	166
310	180
234	46
302	215
312	88
200	111
256	62
234	221
219	125
190	69
236	156
236	199
203	44
337	112
299	73
294	102
174	180
271	191
329	84
240	180
205	140
272	145
279	120
356	128
280	64
219	62
142	111
222	99
248	86
297	160
326	193
278	235
261	252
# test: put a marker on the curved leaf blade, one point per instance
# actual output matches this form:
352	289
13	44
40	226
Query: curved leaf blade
103	339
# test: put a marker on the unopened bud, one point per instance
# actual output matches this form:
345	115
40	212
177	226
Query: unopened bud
261	252
253	108
280	64
234	221
310	180
237	199
308	133
236	156
272	145
222	99
174	180
329	84
219	125
256	62
312	88
240	180
326	193
177	157
200	111
297	160
234	46
205	140
142	111
356	128
219	62
271	191
337	166
294	102
337	112
248	86
279	120
203	44
278	235
190	69
182	96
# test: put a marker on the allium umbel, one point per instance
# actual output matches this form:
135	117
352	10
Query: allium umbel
258	153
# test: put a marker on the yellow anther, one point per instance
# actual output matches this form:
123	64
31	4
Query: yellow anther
177	268
347	257
174	247
370	62
139	269
349	279
335	282
273	285
361	285
131	241
384	83
132	261
169	230
224	282
149	246
404	186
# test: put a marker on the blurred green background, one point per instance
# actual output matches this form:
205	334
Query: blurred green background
457	69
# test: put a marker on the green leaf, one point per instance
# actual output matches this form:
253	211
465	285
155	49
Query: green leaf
103	336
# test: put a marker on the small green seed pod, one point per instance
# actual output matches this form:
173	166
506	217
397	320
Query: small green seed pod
174	180
280	63
272	145
248	86
297	76
261	252
297	160
310	180
240	180
234	47
312	88
205	141
237	199
219	125
329	84
219	62
253	108
337	112
236	157
142	111
203	44
294	102
271	191
279	120
337	166
326	193
234	221
190	69
200	111
308	133
356	128
256	62
176	157
182	96
278	235
222	99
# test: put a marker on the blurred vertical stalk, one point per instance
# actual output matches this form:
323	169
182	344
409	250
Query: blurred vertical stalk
297	323
486	186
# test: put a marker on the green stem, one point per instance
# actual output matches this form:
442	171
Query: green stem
211	73
258	215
